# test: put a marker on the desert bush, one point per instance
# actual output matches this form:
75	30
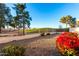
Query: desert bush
68	44
13	50
47	33
42	34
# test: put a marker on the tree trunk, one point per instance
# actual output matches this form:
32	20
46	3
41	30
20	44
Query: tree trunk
0	29
8	28
66	25
18	30
23	27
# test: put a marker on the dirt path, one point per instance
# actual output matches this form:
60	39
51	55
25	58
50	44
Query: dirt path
12	38
37	46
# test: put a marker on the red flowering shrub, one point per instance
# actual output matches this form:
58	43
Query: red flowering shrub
68	43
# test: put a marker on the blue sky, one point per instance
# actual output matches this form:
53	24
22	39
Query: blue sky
49	14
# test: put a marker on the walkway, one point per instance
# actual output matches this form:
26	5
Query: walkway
12	38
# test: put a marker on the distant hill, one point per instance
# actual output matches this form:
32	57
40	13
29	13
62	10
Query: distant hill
41	30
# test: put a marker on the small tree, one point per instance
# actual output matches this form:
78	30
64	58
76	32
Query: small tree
72	22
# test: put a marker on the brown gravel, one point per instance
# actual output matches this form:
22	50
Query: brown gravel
37	46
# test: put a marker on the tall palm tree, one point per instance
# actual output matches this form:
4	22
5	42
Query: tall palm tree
23	14
63	20
66	20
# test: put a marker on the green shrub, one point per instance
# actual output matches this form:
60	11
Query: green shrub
13	50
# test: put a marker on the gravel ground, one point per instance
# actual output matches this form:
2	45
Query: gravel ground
36	46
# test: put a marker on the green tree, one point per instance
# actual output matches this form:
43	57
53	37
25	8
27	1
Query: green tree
72	22
24	17
66	20
4	15
17	23
9	17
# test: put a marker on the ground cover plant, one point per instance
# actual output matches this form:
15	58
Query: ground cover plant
13	50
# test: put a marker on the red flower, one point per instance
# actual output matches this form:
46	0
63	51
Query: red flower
68	40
